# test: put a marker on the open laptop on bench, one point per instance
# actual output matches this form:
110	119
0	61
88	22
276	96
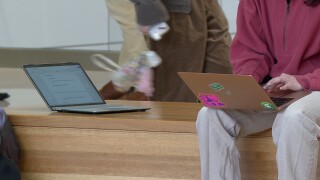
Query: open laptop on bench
236	92
66	87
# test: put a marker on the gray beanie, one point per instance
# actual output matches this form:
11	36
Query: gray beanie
150	12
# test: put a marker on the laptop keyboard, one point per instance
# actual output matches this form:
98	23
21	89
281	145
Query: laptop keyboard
278	101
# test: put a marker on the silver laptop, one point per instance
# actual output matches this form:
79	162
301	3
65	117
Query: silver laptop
65	87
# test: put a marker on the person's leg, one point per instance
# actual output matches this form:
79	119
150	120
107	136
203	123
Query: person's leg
218	40
134	43
295	133
217	133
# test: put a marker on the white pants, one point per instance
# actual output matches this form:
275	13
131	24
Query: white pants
295	131
124	13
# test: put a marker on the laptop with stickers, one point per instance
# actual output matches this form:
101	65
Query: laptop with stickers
236	92
65	87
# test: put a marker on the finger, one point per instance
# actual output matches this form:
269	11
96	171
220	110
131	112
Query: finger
273	83
277	87
284	87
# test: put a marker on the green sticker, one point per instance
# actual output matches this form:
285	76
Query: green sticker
216	86
268	105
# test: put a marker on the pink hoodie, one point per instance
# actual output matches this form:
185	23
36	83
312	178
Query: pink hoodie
274	37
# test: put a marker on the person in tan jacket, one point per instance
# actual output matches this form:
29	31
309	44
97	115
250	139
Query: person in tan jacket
198	41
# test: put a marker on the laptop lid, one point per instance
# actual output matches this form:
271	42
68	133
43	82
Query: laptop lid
64	86
235	92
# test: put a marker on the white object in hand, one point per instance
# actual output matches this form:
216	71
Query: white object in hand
158	30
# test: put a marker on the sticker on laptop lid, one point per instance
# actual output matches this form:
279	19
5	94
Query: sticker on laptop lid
211	100
216	86
268	106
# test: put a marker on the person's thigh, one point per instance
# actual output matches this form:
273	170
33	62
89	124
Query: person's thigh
304	110
309	106
252	121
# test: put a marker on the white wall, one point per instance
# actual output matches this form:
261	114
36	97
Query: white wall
57	23
230	7
75	24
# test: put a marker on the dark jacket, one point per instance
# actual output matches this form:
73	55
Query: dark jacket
150	12
9	150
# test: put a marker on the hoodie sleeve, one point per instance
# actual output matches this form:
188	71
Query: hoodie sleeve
150	12
249	50
310	81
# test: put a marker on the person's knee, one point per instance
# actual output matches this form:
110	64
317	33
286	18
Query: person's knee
202	117
295	112
205	117
216	119
296	117
287	122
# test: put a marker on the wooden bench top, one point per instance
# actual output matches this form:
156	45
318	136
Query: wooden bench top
26	108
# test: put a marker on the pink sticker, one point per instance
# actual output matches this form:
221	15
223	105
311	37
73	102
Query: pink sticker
211	100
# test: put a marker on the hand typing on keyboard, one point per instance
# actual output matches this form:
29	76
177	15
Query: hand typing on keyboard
283	82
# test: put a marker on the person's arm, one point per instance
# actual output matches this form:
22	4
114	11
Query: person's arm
249	51
310	81
150	12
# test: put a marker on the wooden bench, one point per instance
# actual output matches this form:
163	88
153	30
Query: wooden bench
160	143
67	153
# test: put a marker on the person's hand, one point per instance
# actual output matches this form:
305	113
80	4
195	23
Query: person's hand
144	29
283	82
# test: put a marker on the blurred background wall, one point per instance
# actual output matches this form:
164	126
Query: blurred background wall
46	31
68	24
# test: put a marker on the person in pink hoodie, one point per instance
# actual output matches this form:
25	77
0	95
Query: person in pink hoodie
278	43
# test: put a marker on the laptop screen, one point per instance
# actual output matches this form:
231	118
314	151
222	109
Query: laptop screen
63	84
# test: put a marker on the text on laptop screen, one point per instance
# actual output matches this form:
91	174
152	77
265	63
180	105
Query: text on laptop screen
64	85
